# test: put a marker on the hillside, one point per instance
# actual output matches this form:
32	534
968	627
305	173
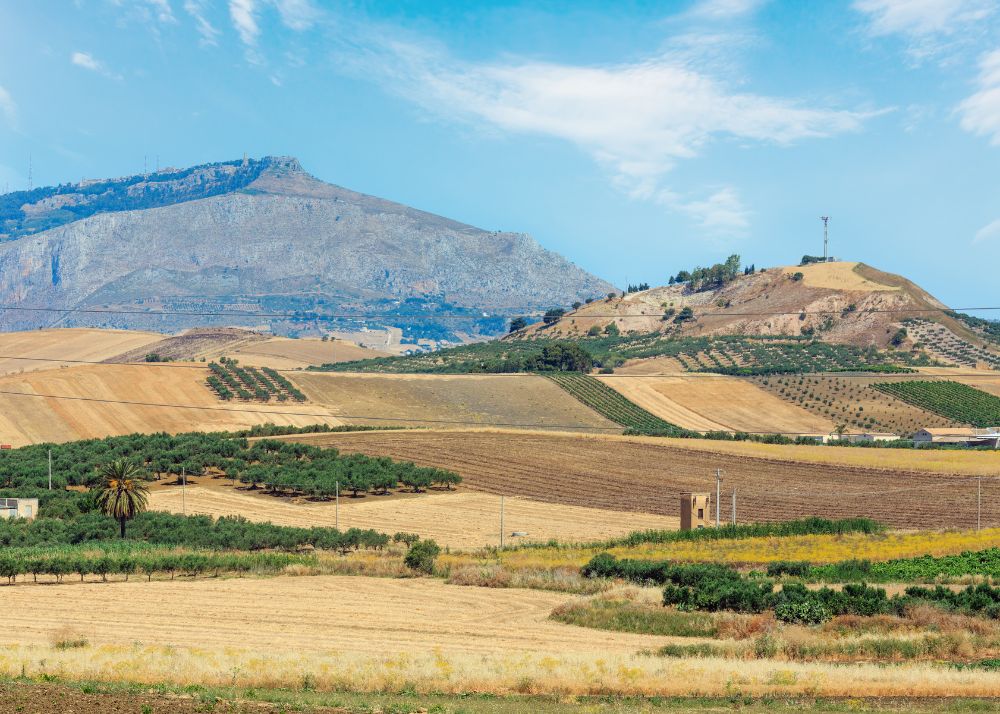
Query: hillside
264	236
846	303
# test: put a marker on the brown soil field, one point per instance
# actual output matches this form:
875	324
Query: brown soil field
285	353
296	614
49	348
32	419
462	519
715	402
426	400
646	474
852	401
207	342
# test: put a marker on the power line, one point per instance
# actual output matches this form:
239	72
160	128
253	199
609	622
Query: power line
667	375
453	316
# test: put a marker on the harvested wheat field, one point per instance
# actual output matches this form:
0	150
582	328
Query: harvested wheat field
839	275
457	520
46	349
988	380
318	613
429	399
708	402
377	634
646	474
31	413
285	353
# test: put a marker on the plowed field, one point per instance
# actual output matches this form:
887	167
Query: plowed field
646	475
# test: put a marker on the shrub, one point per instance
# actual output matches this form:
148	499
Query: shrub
421	556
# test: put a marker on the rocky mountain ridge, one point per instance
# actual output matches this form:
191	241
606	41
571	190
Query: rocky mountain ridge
270	238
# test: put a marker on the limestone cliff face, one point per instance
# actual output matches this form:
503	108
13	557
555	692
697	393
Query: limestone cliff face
283	242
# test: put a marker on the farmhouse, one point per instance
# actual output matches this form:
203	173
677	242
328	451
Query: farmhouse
959	436
26	508
873	436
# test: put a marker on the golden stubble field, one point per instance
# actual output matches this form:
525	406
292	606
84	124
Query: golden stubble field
461	519
46	349
80	402
339	633
901	488
710	402
429	400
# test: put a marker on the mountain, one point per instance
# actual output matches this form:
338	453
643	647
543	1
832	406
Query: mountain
264	236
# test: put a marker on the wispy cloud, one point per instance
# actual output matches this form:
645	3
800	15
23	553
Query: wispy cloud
297	14
988	233
243	13
208	32
929	26
87	61
721	213
7	106
981	112
723	9
637	120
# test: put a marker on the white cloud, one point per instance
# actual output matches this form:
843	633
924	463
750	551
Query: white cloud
88	62
723	9
208	32
988	233
981	112
922	17
930	27
244	16
7	106
162	10
297	14
721	213
637	120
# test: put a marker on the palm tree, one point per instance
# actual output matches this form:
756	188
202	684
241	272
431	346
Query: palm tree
124	494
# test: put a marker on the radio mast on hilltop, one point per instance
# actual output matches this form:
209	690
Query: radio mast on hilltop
30	186
826	238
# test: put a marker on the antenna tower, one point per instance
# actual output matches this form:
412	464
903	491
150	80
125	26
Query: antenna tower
826	238
30	183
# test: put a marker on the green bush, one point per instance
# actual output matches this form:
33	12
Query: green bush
421	556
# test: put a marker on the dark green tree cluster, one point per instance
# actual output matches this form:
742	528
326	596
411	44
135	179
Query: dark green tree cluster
711	278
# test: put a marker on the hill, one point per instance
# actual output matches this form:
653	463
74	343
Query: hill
846	303
256	238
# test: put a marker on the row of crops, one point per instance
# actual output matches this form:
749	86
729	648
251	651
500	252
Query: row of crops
953	400
741	355
611	404
228	380
940	340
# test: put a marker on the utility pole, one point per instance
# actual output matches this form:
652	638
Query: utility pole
979	503
718	497
826	238
184	483
501	522
50	469
336	517
30	177
734	505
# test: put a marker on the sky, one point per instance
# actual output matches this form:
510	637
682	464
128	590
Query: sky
635	138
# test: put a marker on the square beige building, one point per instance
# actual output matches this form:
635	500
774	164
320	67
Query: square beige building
694	511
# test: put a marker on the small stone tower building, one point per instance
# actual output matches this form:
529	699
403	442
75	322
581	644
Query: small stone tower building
694	511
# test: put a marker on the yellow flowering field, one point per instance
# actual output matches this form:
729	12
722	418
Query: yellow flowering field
814	548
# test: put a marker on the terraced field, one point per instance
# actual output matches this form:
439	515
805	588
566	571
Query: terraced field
645	475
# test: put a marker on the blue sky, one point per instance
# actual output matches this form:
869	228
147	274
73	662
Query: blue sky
636	138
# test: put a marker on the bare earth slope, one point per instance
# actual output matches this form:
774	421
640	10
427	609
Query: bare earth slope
646	474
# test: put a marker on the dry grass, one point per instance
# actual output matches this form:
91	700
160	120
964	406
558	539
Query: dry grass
427	400
459	519
644	474
285	353
26	420
841	275
718	403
